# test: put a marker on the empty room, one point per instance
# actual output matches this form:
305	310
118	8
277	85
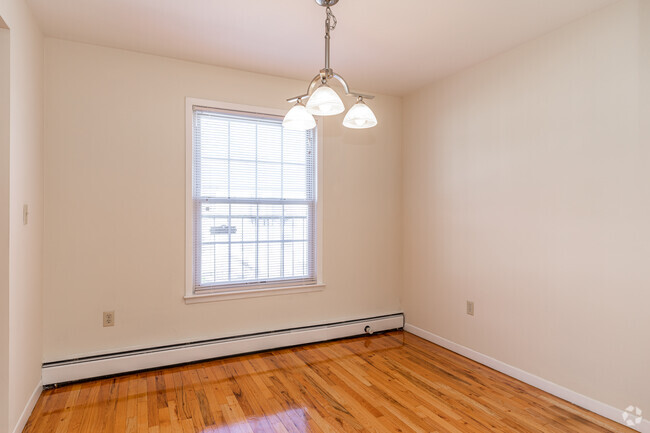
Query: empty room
297	216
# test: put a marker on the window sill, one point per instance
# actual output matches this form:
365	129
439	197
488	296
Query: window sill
227	295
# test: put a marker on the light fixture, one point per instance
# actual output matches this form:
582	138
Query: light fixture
325	102
360	116
298	118
322	100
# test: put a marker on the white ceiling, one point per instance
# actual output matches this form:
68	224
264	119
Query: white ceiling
384	46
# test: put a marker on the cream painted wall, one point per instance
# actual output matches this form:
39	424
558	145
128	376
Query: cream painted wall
644	68
25	162
115	205
4	225
526	190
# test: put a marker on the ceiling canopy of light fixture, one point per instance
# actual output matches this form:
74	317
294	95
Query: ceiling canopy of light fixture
327	2
322	100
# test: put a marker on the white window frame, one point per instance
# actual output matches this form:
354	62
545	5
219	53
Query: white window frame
191	296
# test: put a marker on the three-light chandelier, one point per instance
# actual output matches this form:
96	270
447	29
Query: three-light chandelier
321	99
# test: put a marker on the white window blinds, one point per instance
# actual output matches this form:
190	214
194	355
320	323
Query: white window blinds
254	201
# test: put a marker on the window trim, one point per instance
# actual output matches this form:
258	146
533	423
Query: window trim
192	297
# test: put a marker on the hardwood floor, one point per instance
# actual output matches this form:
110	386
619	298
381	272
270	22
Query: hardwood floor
393	382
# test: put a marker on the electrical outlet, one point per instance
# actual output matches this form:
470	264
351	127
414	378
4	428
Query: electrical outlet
470	308
109	318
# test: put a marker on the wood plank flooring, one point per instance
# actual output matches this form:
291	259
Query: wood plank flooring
393	382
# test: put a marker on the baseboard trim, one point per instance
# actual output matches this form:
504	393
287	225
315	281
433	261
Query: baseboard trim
583	401
118	363
29	408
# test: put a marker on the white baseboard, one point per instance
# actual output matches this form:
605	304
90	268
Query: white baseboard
61	372
585	402
29	407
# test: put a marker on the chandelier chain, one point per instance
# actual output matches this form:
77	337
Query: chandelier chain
330	21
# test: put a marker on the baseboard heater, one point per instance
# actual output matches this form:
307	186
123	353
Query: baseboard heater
60	372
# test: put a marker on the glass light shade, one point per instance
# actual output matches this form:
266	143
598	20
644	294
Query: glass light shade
325	102
360	116
298	119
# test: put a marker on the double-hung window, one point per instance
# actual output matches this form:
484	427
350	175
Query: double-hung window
254	202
